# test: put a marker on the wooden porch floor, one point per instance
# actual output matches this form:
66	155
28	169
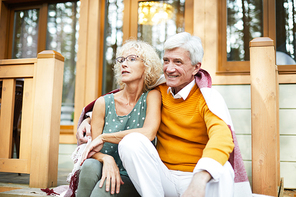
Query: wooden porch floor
13	181
20	183
290	193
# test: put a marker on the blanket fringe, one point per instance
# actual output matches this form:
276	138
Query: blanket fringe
49	191
74	182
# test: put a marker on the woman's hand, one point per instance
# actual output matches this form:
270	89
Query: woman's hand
94	147
111	174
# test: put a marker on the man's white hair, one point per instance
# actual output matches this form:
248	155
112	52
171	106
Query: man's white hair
188	42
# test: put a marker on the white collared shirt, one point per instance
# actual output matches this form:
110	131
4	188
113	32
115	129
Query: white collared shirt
184	92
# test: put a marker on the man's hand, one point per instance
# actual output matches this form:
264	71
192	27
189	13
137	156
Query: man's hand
83	131
197	186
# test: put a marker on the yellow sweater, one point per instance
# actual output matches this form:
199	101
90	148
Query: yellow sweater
190	131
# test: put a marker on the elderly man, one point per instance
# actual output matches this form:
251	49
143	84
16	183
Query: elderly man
193	143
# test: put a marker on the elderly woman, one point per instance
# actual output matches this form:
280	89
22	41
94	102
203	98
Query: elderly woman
134	108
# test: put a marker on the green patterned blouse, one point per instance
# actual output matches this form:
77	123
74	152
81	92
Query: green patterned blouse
115	123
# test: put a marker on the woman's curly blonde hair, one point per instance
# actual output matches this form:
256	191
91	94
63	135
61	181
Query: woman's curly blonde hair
153	65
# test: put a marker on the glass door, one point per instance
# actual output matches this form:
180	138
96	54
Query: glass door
158	20
62	36
150	21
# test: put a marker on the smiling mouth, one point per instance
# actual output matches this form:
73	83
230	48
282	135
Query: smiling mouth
124	72
172	76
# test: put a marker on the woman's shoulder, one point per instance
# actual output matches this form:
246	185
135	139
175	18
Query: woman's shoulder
154	95
153	92
100	101
108	96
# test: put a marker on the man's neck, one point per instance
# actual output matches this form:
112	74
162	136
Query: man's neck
184	92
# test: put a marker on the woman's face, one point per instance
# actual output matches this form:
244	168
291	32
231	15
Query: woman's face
132	67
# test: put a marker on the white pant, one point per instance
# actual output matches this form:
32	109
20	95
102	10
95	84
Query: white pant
152	178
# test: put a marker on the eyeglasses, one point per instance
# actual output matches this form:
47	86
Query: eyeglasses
129	58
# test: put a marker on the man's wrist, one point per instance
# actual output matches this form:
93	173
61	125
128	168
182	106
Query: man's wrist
204	176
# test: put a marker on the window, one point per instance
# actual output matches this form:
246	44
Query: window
240	22
243	20
285	32
158	20
244	23
25	33
113	39
62	36
50	26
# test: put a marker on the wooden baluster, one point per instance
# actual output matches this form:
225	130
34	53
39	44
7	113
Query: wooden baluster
6	122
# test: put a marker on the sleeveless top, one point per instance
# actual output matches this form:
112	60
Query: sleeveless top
115	123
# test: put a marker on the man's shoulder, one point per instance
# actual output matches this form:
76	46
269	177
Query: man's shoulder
162	87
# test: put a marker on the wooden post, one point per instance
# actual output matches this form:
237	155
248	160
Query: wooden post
264	109
46	120
89	55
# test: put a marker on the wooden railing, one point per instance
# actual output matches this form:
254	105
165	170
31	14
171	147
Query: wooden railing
265	117
40	116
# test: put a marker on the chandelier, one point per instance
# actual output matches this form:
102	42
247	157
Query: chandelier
154	12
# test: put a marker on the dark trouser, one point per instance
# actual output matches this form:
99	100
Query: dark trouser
89	180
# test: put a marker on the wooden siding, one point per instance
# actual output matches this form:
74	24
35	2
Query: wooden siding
238	100
287	104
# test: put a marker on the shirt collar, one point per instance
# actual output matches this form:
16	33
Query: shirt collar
184	92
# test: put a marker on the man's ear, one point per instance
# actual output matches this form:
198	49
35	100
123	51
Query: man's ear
196	68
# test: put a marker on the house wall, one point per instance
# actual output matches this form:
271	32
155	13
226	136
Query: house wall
287	106
238	100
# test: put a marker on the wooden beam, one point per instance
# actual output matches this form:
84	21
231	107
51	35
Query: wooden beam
42	29
264	119
80	80
4	29
126	28
66	135
92	56
17	71
22	61
189	16
14	165
88	56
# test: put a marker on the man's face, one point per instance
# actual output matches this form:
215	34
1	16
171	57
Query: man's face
178	69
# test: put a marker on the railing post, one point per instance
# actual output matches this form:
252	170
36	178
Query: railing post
46	122
264	110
